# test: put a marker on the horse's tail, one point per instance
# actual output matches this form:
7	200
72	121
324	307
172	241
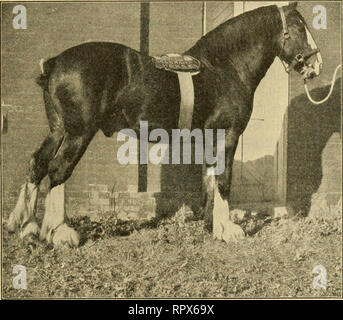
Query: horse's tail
46	68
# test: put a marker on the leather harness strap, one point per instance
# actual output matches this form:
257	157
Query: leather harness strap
285	36
284	24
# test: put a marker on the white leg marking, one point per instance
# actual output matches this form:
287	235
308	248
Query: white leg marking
223	228
23	215
54	229
54	211
216	227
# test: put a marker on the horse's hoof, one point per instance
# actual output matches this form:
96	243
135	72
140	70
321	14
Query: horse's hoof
11	226
13	221
31	229
65	236
232	232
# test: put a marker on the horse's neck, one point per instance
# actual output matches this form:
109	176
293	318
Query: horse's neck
252	65
222	48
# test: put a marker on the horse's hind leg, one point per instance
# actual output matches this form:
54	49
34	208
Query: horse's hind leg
54	228
23	215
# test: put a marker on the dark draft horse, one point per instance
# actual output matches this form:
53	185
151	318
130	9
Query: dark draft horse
108	86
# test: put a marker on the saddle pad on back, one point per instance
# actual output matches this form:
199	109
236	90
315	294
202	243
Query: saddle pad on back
177	63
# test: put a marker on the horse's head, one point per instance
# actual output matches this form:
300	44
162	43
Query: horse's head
298	49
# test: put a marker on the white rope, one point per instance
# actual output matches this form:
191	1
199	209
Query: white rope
331	89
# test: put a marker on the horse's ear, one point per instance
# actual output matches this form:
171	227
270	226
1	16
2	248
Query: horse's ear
293	5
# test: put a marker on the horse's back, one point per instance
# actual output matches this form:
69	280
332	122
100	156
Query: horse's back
92	49
103	80
95	56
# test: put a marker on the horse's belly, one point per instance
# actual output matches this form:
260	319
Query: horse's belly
156	100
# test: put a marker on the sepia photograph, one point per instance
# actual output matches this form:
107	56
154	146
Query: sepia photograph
171	150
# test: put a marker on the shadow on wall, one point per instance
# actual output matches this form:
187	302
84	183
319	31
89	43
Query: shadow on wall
314	149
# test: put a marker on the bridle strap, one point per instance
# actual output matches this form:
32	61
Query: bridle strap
301	57
285	37
284	23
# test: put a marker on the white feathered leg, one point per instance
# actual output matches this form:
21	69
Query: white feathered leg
23	215
223	228
54	229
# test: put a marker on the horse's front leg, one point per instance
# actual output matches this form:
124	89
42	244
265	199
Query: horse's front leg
217	193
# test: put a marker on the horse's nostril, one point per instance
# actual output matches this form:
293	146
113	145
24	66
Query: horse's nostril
311	74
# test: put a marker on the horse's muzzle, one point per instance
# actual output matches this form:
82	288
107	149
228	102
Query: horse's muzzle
307	70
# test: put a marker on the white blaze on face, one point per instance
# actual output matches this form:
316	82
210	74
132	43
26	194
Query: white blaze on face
319	61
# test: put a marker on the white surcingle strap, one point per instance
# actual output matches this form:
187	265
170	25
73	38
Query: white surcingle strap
185	67
187	100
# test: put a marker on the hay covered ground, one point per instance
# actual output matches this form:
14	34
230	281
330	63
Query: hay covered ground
174	258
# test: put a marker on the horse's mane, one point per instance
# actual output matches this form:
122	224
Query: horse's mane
241	32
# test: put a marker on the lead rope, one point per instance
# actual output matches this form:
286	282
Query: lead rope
330	92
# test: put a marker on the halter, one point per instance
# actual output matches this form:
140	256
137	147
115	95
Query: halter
300	58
